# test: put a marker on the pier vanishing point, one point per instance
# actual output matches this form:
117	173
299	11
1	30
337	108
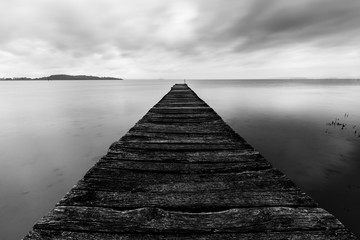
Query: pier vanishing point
182	173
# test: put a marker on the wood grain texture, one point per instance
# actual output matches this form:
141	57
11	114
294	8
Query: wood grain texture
237	155
184	167
157	220
335	234
186	201
182	173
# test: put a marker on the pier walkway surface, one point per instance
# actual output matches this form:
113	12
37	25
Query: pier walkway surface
182	173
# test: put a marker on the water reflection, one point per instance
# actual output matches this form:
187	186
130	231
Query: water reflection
287	123
53	132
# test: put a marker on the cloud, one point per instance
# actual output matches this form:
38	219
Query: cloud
151	36
275	23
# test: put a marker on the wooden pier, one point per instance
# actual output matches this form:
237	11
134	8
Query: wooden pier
182	173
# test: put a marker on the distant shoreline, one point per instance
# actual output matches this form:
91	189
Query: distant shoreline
60	77
24	80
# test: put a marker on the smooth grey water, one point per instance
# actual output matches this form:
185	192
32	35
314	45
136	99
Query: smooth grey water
53	132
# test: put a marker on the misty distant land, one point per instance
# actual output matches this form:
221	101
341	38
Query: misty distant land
61	77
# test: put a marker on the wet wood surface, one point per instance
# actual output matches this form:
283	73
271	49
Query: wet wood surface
182	173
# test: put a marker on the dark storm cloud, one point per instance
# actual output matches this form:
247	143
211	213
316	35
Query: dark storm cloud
273	23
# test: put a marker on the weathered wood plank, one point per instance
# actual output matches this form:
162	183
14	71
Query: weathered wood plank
258	185
179	128
227	132
176	140
150	220
182	116
194	201
126	180
178	146
181	97
166	99
178	120
182	138
202	128
333	234
182	110
214	122
144	131
181	93
176	108
233	156
172	104
182	167
169	177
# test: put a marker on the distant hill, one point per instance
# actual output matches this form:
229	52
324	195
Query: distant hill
62	77
76	77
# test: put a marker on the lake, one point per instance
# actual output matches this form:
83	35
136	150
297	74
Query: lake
53	132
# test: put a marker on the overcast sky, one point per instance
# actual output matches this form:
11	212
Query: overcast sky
180	38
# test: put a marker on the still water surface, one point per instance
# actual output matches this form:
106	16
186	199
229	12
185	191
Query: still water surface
53	132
